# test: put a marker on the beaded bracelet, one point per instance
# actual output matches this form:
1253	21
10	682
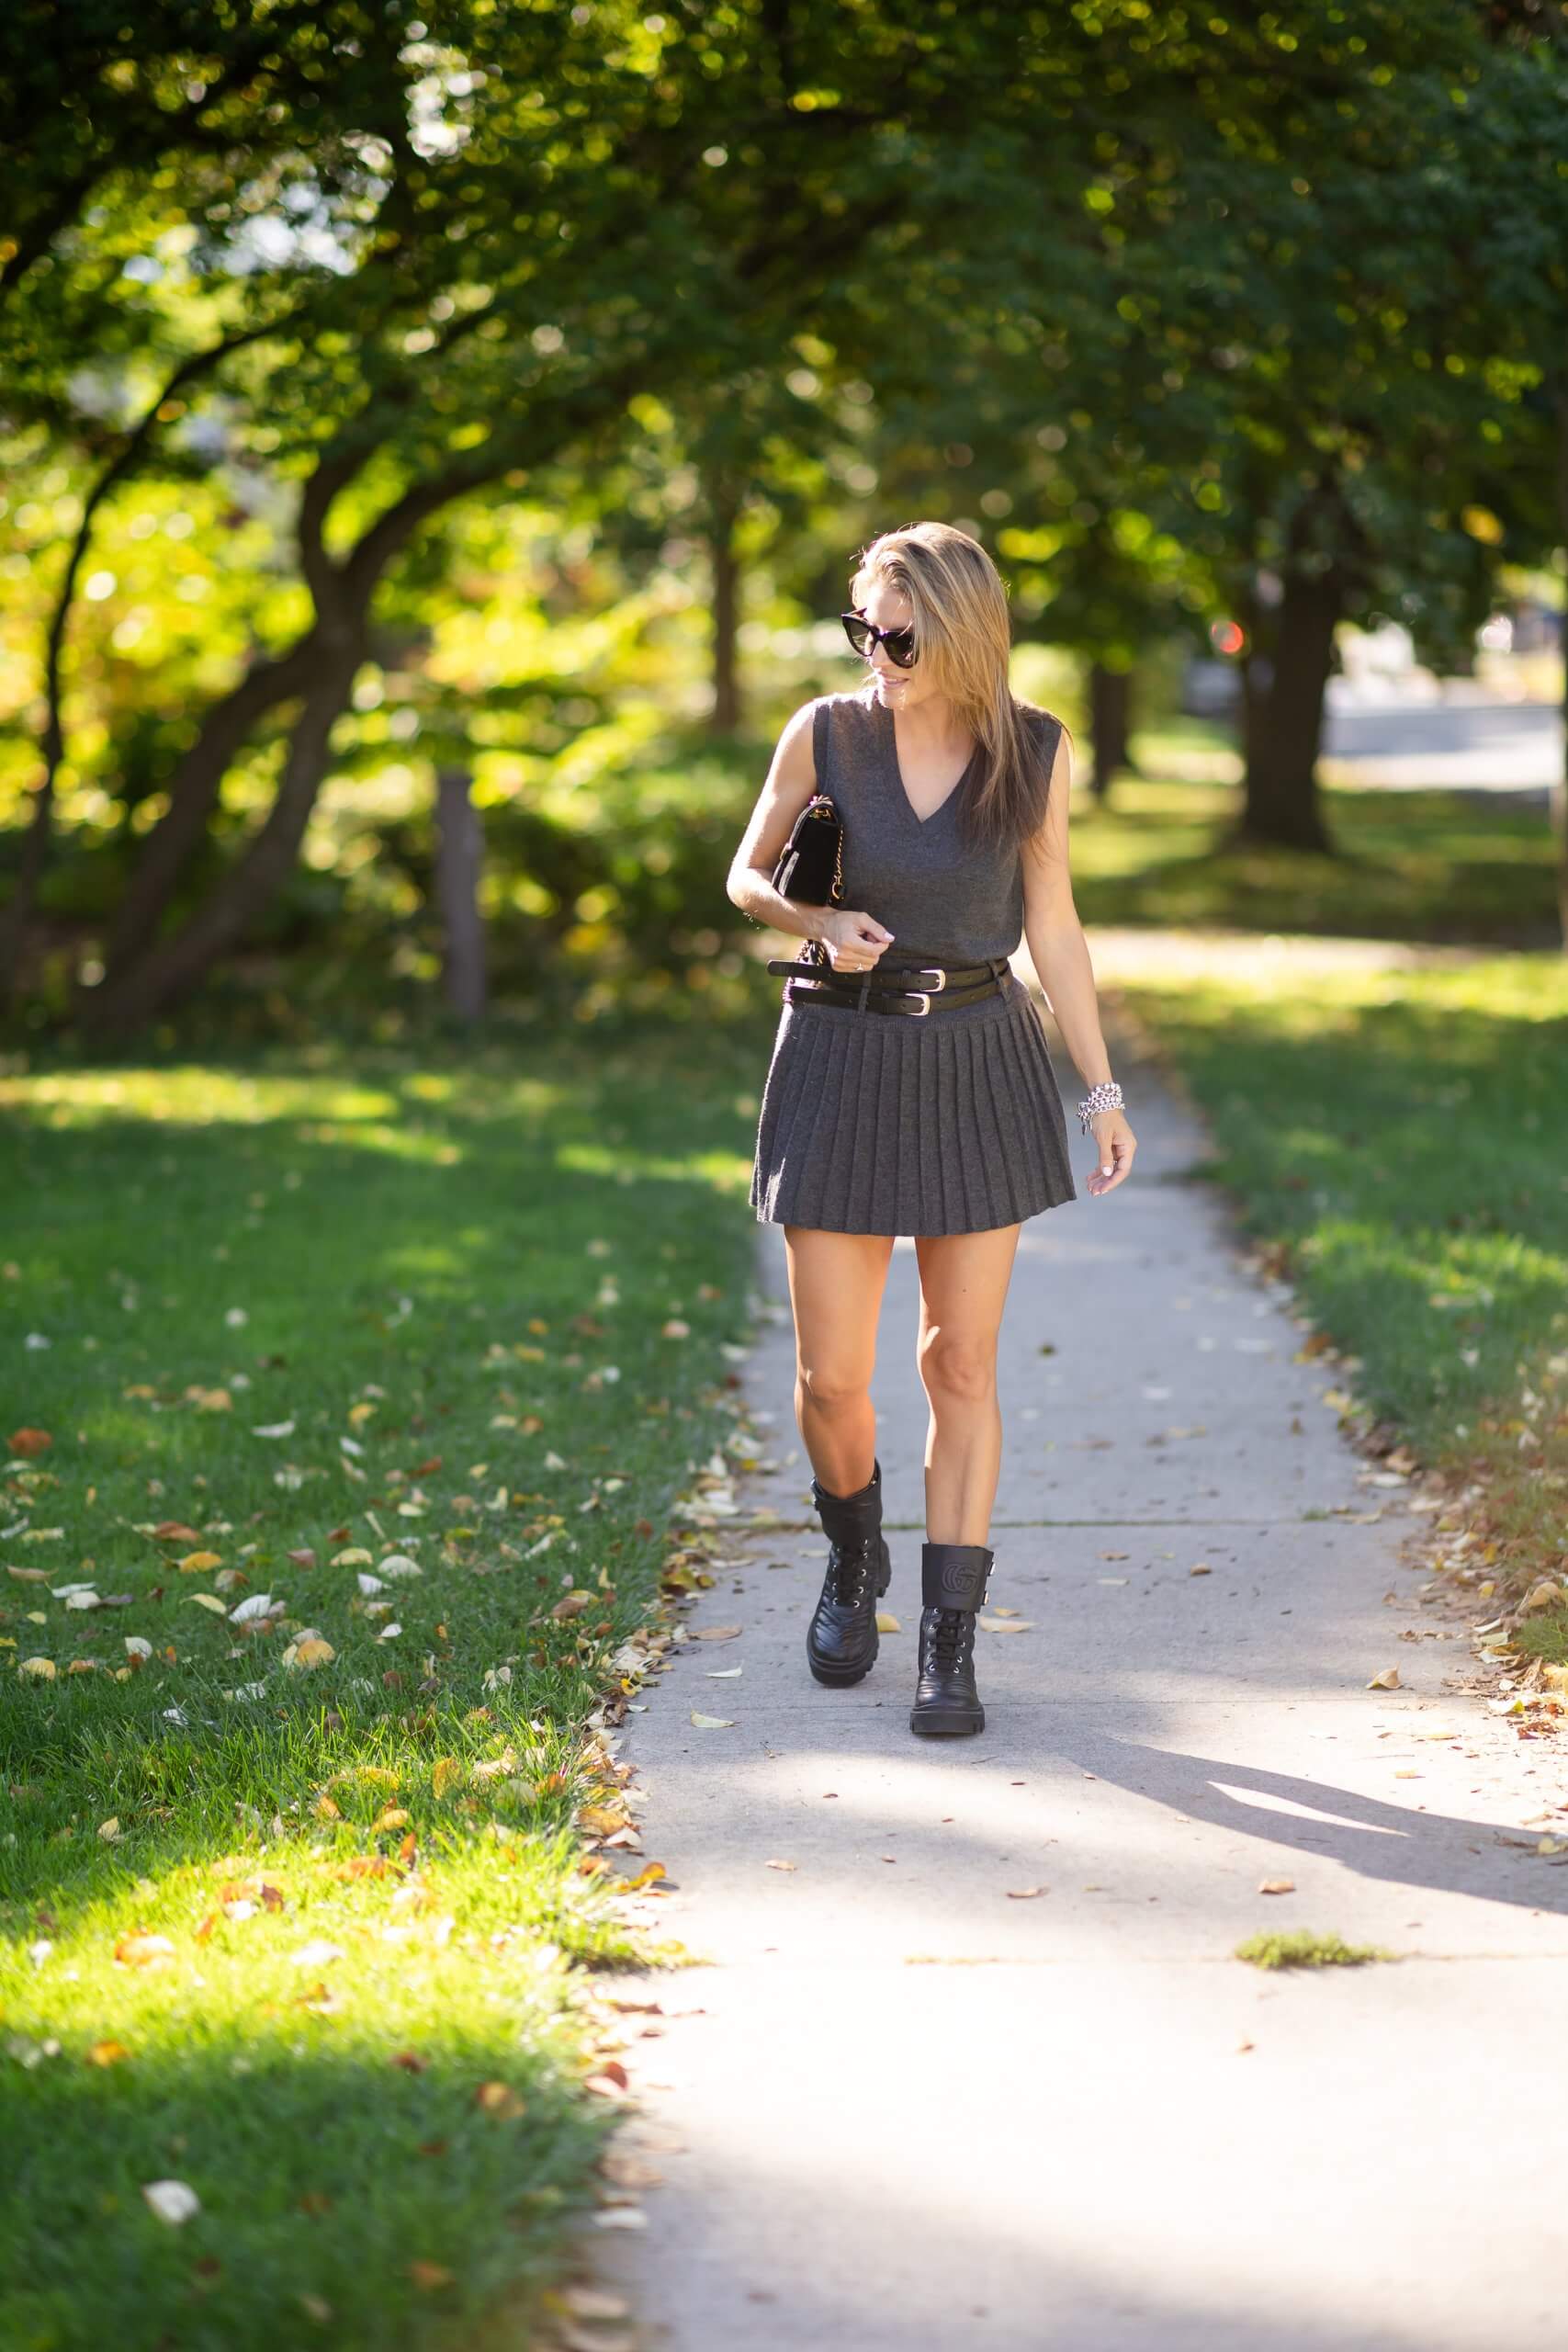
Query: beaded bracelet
1105	1096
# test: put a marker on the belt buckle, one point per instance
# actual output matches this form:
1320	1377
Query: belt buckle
920	1000
938	977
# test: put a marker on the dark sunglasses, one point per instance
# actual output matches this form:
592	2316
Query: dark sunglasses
863	634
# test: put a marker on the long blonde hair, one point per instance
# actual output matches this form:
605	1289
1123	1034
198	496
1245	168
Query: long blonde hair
963	639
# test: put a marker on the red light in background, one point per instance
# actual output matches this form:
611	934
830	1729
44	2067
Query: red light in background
1227	637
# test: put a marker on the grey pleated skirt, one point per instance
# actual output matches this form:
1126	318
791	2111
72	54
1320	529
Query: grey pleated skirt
891	1123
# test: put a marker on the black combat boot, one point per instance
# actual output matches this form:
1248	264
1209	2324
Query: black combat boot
840	1642
953	1587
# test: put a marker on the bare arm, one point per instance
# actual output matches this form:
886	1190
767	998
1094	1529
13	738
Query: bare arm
791	781
1057	947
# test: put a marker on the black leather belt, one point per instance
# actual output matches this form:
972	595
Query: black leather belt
891	988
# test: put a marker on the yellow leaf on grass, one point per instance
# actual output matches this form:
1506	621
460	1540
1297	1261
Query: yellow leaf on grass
499	2098
601	1820
139	1950
310	1652
28	1575
394	1817
207	1600
106	2053
40	1670
196	1563
447	1774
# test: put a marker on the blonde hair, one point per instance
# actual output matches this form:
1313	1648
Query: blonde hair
963	640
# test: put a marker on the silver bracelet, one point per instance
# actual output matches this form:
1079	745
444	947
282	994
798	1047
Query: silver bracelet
1105	1096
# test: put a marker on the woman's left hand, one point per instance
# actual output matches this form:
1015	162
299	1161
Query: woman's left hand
1116	1144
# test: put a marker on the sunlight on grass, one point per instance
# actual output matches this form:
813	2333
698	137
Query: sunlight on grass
295	1899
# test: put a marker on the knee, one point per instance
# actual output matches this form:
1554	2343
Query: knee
829	1387
959	1368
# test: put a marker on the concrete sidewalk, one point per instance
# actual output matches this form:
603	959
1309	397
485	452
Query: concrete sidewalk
980	2069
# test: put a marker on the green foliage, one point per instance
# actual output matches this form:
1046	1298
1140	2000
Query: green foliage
1306	1948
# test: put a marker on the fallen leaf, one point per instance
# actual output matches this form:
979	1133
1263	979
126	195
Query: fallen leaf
40	1670
308	1651
139	1950
781	1866
106	2053
173	2201
1022	1893
28	1575
394	1817
208	1601
703	1723
499	2098
593	2302
1006	1625
448	1772
1276	1886
714	1633
109	1830
317	1953
196	1563
174	1531
1200	1568
430	2274
28	1441
1387	1681
886	1622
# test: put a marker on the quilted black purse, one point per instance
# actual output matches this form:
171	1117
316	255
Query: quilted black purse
811	864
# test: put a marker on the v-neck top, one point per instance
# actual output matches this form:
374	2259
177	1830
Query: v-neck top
937	894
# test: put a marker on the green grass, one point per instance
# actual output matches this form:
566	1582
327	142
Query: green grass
1442	866
1544	1635
1401	1138
1306	1948
424	1263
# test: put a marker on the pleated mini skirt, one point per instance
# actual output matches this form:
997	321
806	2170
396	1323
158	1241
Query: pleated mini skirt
899	1124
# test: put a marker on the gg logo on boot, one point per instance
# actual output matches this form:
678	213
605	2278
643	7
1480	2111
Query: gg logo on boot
957	1580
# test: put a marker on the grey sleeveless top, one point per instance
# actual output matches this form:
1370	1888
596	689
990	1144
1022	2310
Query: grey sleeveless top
936	894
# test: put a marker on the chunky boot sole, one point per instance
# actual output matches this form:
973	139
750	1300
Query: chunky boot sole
837	1676
936	1723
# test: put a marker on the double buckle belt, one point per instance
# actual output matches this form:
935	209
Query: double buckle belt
897	989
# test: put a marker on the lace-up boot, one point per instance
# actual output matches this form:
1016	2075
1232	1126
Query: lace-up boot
953	1588
840	1641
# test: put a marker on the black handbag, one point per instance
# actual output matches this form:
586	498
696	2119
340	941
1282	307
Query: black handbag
811	864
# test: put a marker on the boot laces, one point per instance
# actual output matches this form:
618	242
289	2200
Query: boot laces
951	1633
849	1573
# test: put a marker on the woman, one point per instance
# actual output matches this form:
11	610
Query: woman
910	1089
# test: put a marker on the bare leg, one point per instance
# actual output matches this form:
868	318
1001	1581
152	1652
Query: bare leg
836	1281
964	1286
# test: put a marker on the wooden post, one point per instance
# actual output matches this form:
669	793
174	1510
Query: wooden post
459	858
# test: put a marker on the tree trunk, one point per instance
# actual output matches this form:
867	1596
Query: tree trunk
1110	710
167	971
194	795
1284	726
460	855
724	509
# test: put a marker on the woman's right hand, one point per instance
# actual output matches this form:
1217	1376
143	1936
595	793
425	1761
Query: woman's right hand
854	942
